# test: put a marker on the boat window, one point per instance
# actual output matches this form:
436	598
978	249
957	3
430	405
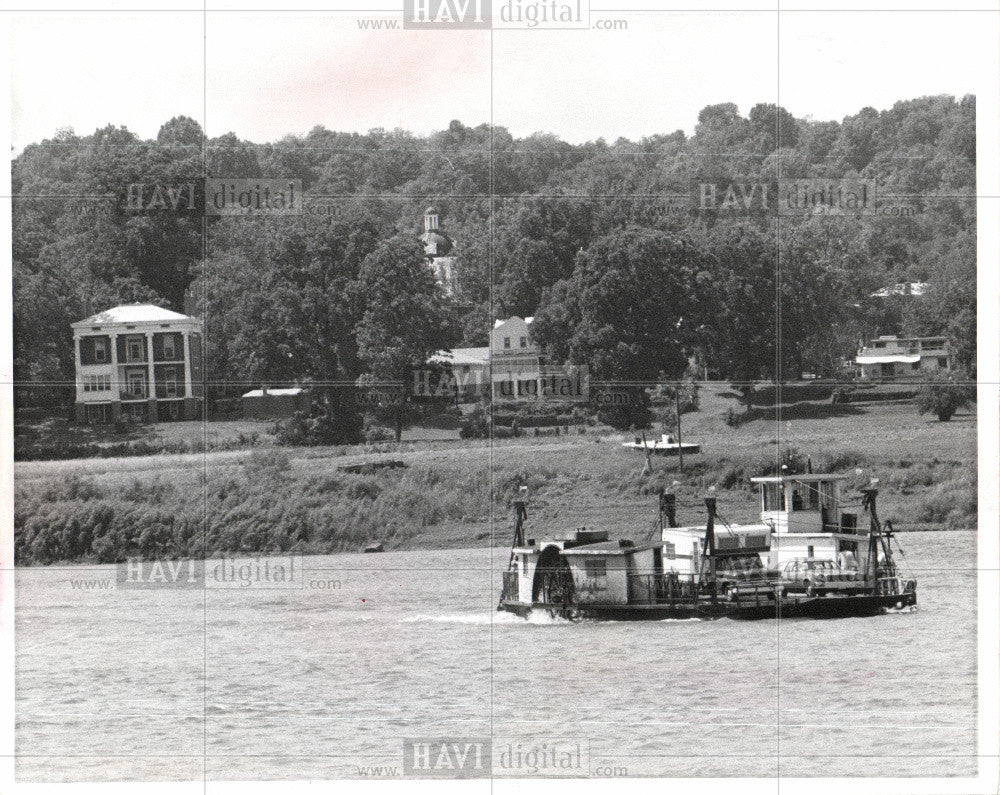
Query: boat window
773	497
596	568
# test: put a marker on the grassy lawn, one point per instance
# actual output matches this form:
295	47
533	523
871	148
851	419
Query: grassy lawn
57	433
298	499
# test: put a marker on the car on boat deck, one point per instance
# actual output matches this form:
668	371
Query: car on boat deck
743	574
817	576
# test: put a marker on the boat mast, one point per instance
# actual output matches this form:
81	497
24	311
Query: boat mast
879	539
668	509
520	514
710	544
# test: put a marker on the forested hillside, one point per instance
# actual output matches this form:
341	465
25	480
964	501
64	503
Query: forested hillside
582	237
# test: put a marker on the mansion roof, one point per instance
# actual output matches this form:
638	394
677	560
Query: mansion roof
133	313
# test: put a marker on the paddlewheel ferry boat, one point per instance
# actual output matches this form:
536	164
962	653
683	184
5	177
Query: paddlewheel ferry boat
810	556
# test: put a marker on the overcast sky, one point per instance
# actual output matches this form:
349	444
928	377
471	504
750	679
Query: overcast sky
264	76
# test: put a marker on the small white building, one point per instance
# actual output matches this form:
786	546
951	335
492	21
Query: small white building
914	289
892	358
268	403
138	361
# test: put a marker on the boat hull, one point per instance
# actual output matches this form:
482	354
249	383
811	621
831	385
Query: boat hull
856	606
665	449
853	606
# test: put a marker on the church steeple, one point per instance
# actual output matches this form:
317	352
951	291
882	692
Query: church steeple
430	220
437	248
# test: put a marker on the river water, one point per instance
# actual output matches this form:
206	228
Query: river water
329	680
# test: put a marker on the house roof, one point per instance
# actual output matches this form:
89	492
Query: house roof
474	356
892	358
295	390
500	321
132	313
901	288
894	338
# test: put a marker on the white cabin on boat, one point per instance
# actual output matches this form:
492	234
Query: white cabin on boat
802	516
588	566
809	521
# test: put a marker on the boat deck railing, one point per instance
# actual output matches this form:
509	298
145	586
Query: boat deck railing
893	586
672	588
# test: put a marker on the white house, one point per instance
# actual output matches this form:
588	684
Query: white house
511	362
915	289
896	358
516	360
139	361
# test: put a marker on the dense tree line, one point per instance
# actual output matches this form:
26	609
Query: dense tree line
579	235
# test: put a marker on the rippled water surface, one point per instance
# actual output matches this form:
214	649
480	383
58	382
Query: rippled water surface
327	682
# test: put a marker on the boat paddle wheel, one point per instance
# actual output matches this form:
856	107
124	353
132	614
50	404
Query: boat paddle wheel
553	581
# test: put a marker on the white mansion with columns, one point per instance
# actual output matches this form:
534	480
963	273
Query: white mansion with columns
138	362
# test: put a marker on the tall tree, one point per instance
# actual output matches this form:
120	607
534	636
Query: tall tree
404	322
630	312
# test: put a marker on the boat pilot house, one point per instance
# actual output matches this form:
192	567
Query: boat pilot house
807	517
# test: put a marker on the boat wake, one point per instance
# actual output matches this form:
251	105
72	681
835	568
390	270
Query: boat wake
536	617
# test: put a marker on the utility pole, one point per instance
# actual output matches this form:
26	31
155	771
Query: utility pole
680	440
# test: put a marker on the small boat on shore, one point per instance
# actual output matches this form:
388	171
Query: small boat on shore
665	445
809	557
376	546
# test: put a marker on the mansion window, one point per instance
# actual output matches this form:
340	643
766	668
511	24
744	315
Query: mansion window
524	342
170	382
169	348
96	383
506	342
98	413
134	349
100	350
137	384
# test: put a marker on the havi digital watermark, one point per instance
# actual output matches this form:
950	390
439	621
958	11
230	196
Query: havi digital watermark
447	757
233	573
485	14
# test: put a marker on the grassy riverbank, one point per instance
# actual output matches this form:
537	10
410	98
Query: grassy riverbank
281	500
